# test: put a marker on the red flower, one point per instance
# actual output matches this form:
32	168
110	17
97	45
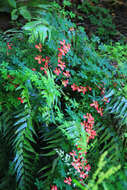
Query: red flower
89	88
89	118
54	187
21	100
95	104
74	87
60	55
77	165
83	175
84	89
9	45
33	69
66	74
61	51
62	65
39	47
79	148
57	71
42	68
71	29
62	42
100	111
73	153
39	59
64	48
43	59
46	60
59	60
106	99
87	167
65	83
68	180
9	76
79	89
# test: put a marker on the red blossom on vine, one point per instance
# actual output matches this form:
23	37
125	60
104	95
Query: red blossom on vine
66	74
74	87
57	71
95	104
65	82
68	180
54	187
105	100
100	111
21	100
62	65
38	58
39	47
9	45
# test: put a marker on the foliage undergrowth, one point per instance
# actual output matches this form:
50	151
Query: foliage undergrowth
60	103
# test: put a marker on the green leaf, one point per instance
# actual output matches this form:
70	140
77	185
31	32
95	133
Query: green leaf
45	167
12	3
38	30
14	14
25	13
49	154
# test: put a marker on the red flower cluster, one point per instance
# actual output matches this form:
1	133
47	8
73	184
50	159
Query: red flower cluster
21	100
79	163
80	88
61	64
40	60
63	50
96	106
88	126
9	45
46	60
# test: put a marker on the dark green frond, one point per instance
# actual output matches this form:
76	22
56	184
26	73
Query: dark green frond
25	154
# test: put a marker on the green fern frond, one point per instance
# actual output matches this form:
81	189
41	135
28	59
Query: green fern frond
38	30
7	178
50	141
24	151
117	106
108	140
